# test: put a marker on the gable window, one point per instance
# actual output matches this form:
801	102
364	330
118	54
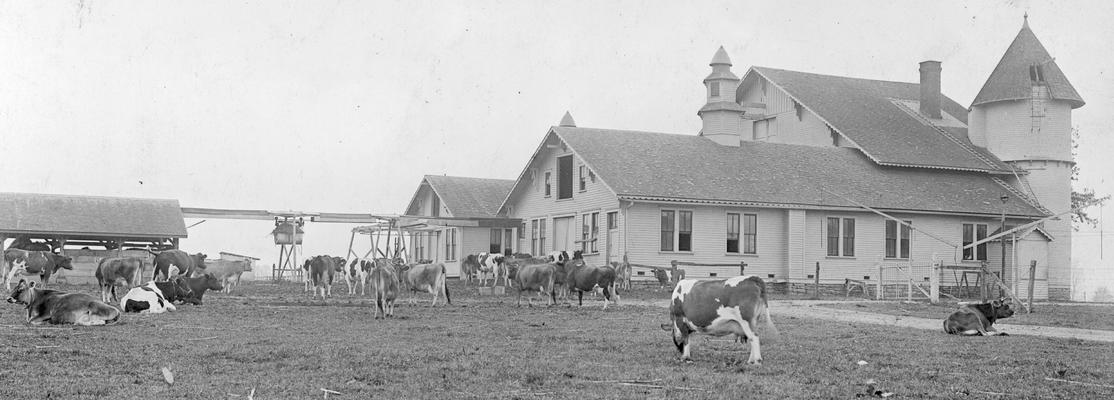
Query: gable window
713	87
1036	73
583	178
676	230
897	239
548	184
564	177
450	244
971	234
841	237
435	206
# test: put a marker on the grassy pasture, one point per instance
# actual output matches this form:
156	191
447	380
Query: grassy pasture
1059	315
274	339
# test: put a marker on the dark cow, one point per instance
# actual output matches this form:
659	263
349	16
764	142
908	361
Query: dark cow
57	307
539	277
384	287
176	289
321	270
199	284
118	271
22	242
581	277
429	278
186	264
718	307
41	263
978	319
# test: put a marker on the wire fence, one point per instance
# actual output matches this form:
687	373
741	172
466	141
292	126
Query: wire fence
1093	283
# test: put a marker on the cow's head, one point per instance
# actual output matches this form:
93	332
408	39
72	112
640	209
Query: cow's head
182	286
339	264
211	282
1000	308
680	335
63	262
578	255
199	260
24	293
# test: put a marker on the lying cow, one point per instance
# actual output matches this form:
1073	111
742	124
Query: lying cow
31	263
146	299
186	264
177	289
57	307
429	278
118	271
978	319
718	307
199	285
384	287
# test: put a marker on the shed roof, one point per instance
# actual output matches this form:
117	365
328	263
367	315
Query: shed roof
468	197
669	167
90	216
1011	80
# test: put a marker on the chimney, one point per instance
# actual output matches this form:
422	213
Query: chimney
930	89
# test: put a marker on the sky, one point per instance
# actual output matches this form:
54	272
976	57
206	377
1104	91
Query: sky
344	106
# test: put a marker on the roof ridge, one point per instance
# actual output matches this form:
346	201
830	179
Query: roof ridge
946	134
86	196
835	76
1021	195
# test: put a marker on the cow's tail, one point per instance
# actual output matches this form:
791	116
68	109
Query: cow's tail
442	282
771	334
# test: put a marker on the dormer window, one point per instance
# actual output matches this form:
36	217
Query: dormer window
713	88
1036	73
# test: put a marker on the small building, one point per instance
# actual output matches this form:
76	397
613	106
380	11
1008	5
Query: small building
450	217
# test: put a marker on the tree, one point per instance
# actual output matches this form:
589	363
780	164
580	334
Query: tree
1083	198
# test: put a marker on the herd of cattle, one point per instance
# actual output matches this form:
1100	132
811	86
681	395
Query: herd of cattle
716	307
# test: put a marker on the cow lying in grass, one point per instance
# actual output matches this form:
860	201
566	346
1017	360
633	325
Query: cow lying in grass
146	299
177	289
198	285
57	307
978	319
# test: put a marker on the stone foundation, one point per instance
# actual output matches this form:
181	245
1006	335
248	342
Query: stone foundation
1059	294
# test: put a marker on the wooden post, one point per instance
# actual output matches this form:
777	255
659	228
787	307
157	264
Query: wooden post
1032	280
934	283
816	283
673	278
742	268
983	281
909	283
878	290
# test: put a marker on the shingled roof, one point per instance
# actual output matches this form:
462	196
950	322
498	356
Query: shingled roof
469	197
669	167
869	114
1011	81
110	217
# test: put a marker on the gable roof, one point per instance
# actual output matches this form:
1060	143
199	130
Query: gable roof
467	197
868	114
687	168
1010	79
96	216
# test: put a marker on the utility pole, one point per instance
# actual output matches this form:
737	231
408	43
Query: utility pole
1002	275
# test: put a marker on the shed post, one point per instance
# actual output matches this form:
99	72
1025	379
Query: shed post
934	283
674	278
1032	279
3	238
878	291
816	282
742	268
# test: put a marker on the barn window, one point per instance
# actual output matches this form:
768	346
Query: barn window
435	206
973	233
548	184
534	238
841	237
713	89
750	233
583	178
564	177
450	244
897	239
676	230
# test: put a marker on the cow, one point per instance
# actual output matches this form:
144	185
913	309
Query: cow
558	256
469	267
321	270
663	277
978	319
539	277
187	264
118	271
581	277
622	273
384	287
228	272
718	307
41	263
22	242
177	289
199	284
147	299
359	272
429	278
57	307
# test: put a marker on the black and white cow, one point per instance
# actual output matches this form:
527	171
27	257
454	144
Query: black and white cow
978	319
177	260
146	299
31	263
718	307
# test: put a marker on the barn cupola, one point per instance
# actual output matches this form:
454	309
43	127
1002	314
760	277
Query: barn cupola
567	120
721	115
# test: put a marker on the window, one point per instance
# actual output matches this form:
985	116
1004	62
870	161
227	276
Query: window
585	232
450	244
522	231
1036	73
897	239
732	232
590	233
564	177
435	206
612	220
541	236
750	233
973	233
713	87
548	184
508	241
496	245
583	178
837	242
764	129
534	238
676	228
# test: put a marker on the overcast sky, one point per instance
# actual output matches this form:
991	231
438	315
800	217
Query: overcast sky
344	106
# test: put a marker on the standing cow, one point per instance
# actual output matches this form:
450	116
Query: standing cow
321	271
539	277
228	272
186	264
30	263
978	319
429	278
359	274
718	307
384	287
118	271
581	277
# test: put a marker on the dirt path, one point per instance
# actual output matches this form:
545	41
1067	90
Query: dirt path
813	309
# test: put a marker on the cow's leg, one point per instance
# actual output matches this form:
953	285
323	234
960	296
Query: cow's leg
580	298
752	338
11	274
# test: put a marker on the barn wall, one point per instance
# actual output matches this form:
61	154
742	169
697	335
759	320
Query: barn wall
85	265
787	126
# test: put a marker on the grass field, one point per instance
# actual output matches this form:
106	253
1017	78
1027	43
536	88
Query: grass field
274	340
1060	315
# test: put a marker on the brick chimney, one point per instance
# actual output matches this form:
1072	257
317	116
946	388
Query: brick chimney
930	89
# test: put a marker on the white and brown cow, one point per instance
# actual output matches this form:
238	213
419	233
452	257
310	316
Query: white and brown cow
978	319
32	263
321	271
359	273
429	278
384	287
57	307
718	307
118	271
483	265
146	299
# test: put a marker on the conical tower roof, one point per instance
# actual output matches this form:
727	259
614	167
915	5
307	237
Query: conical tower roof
567	120
720	57
1011	78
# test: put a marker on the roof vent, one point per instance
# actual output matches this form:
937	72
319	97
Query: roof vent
930	89
567	120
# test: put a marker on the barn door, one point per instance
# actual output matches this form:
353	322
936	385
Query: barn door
563	234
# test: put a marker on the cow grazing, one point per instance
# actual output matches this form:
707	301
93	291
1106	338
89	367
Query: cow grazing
539	277
199	285
228	272
177	289
187	264
321	270
978	319
384	287
147	299
359	272
57	307
30	263
581	277
429	278
118	271
718	307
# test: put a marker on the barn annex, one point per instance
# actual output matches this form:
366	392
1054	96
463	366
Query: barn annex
785	162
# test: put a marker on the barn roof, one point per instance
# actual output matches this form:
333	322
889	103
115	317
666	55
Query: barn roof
467	197
683	168
882	119
1011	79
110	217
